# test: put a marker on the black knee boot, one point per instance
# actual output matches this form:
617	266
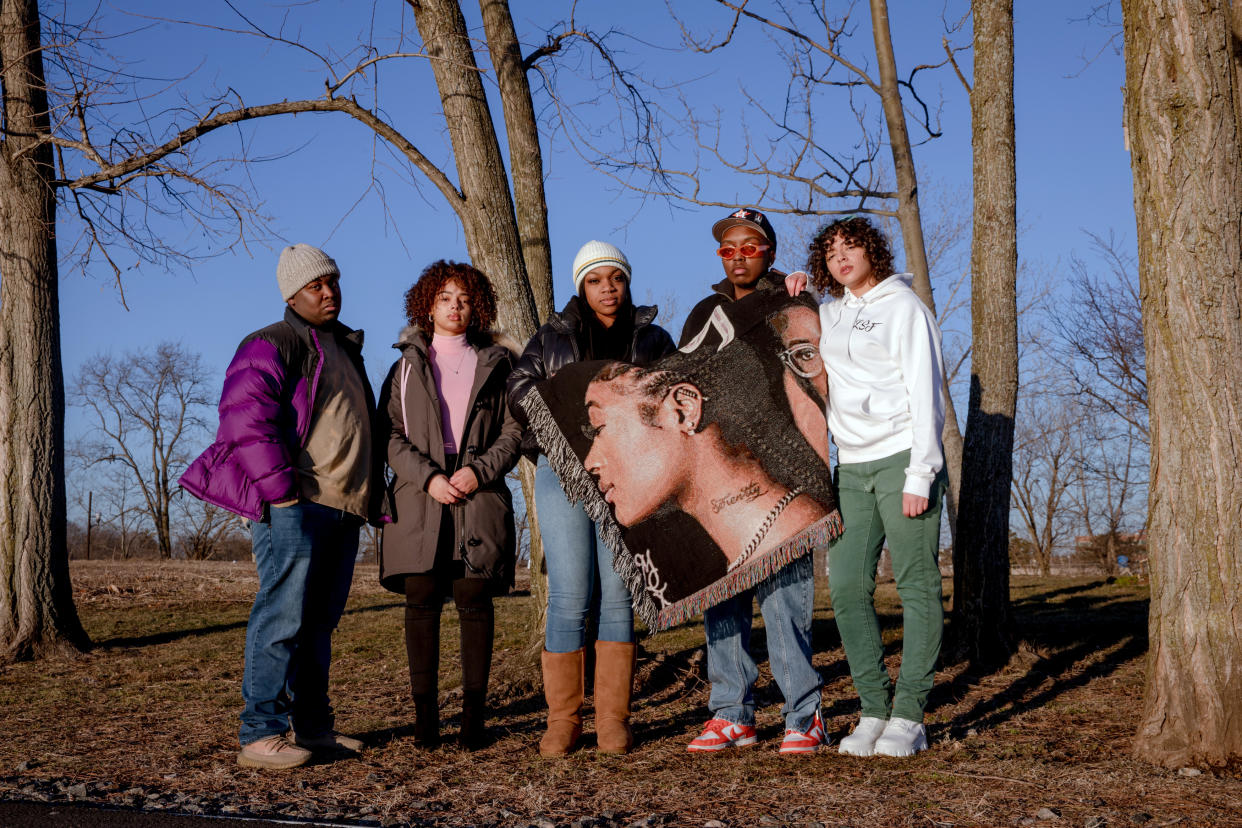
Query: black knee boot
478	621
422	646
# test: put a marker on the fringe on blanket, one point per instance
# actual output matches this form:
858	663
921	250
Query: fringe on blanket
743	578
580	487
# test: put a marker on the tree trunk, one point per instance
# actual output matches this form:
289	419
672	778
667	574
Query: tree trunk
982	623
1182	115
486	208
526	166
37	614
538	575
525	154
909	216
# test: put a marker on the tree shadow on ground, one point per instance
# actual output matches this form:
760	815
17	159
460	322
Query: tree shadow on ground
1065	644
1044	597
1072	636
168	636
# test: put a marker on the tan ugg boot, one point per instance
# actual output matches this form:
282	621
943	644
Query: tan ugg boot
562	687
614	682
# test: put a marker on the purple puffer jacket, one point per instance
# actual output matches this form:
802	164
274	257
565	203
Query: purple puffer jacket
265	412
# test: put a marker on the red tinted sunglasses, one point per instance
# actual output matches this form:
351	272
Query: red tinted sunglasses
749	250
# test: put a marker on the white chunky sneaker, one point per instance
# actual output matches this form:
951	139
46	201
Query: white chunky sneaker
901	737
862	741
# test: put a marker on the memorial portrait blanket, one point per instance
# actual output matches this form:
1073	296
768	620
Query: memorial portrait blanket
706	471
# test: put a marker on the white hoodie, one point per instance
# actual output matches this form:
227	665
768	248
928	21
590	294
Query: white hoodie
885	378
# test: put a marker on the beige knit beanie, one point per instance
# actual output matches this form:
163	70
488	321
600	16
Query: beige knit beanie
595	254
301	264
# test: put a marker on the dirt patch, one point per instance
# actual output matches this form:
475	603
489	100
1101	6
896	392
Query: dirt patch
149	717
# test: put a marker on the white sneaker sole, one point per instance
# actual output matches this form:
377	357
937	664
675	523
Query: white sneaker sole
268	764
851	751
918	746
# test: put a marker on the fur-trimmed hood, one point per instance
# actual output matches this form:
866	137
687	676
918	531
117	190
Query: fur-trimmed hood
414	336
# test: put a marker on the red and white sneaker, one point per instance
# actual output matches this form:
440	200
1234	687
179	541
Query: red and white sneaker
805	741
720	734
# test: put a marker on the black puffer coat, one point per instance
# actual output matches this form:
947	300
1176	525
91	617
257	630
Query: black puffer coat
557	343
483	525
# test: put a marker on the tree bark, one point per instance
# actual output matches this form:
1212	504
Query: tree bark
909	216
486	207
538	575
1182	116
531	210
525	154
37	614
982	623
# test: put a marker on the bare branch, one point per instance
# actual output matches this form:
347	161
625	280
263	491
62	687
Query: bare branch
215	121
948	50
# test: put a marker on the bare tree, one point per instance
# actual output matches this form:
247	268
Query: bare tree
1045	469
1101	336
57	144
982	623
148	409
37	614
204	529
124	528
1184	121
1113	481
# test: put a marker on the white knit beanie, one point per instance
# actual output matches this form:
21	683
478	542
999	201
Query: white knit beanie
595	254
301	264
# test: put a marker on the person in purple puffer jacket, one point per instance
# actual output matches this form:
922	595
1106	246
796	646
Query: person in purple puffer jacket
295	455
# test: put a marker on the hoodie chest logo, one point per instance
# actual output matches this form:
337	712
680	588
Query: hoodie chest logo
865	325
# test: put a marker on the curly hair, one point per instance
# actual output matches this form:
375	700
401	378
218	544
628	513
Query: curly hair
421	296
858	231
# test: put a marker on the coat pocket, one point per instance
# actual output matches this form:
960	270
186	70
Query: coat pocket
488	544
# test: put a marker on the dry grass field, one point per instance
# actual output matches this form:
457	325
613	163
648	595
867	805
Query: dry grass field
148	719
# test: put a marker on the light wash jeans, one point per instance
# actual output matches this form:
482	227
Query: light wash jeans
578	560
305	559
787	601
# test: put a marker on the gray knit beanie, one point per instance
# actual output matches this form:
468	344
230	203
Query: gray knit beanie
301	264
595	254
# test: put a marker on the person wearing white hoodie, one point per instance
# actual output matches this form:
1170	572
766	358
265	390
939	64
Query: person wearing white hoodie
881	347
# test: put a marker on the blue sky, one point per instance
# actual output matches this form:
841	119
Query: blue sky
1073	171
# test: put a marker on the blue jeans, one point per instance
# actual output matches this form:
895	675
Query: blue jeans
577	559
305	559
787	601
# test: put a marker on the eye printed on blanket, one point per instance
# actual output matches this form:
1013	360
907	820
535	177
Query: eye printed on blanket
706	470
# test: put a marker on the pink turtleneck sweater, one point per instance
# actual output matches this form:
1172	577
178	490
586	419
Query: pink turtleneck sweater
452	364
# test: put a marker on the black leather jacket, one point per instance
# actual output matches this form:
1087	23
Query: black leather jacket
556	344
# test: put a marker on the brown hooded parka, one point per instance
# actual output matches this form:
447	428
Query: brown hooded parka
482	526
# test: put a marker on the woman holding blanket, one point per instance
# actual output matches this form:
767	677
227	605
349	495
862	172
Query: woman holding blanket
599	323
881	347
451	441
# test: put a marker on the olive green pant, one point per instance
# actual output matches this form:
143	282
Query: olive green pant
870	497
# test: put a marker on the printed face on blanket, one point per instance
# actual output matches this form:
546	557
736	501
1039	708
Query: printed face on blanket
697	466
806	380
